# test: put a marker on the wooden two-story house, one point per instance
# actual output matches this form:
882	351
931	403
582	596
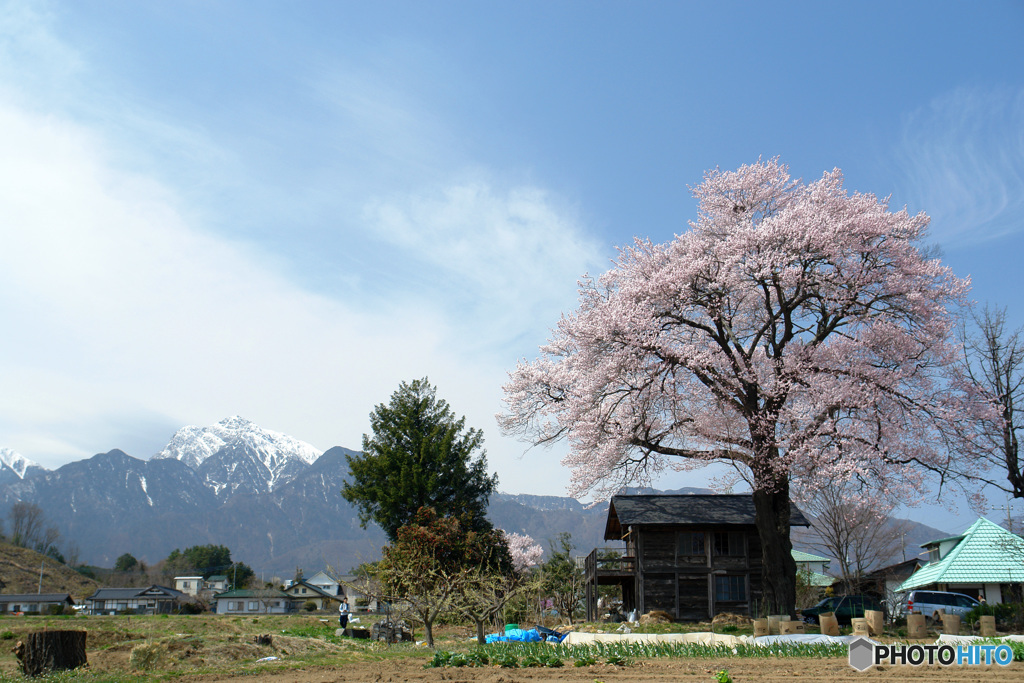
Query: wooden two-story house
692	556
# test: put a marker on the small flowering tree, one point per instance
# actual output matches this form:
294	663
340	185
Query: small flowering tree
795	331
525	551
488	589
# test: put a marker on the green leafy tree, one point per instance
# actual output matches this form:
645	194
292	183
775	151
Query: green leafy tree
420	455
126	563
240	575
561	579
201	559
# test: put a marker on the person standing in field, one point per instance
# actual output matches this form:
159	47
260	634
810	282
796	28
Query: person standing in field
343	612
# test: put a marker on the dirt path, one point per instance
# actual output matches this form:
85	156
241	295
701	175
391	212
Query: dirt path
653	671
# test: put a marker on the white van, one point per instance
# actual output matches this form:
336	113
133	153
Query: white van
930	603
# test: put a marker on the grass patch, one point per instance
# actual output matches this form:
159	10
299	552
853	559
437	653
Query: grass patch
625	653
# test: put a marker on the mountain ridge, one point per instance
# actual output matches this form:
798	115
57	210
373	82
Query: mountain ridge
256	491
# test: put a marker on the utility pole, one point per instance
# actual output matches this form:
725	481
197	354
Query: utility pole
42	563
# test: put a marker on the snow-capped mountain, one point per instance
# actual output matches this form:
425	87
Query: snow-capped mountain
237	456
15	466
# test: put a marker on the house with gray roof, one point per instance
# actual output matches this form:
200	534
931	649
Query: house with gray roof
358	589
41	603
254	601
986	560
692	556
152	600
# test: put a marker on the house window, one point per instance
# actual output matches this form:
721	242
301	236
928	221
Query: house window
691	543
730	588
728	544
253	606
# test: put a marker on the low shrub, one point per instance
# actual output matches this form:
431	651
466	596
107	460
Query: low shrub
147	656
1007	615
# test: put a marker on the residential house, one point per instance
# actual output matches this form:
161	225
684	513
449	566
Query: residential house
813	568
191	585
42	603
201	588
349	586
301	592
882	583
217	583
152	600
325	582
256	601
692	556
985	561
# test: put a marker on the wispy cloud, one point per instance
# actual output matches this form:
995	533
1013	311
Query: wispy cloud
114	302
503	259
963	161
127	314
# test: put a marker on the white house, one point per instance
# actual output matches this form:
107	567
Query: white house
190	585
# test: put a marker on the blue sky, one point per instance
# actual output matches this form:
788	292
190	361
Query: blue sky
282	210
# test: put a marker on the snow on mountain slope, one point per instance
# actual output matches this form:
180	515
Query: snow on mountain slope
236	455
16	463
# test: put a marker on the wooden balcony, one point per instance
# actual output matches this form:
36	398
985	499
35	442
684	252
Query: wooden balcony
608	566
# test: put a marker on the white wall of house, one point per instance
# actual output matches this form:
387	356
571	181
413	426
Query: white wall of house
188	584
252	606
324	582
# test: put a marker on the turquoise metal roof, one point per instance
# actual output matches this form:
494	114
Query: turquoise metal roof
987	553
801	556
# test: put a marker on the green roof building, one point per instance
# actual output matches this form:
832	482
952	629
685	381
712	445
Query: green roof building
814	568
987	561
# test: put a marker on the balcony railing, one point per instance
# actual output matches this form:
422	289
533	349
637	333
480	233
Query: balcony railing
608	561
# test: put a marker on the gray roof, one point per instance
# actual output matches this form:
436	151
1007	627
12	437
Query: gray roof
36	597
702	510
250	593
151	592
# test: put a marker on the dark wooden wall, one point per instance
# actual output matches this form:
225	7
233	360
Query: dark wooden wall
684	585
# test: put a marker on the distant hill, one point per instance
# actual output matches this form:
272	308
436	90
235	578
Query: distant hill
19	571
274	500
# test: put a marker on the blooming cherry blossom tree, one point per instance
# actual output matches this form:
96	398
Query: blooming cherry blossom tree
795	331
525	551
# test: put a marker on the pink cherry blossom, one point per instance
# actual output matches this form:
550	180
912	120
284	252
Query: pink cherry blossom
797	331
525	551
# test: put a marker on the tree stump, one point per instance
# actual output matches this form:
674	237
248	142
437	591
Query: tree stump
44	651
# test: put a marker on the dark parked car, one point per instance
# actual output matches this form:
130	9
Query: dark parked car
846	607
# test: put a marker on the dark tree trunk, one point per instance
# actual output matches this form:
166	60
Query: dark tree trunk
428	628
771	508
480	638
45	651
